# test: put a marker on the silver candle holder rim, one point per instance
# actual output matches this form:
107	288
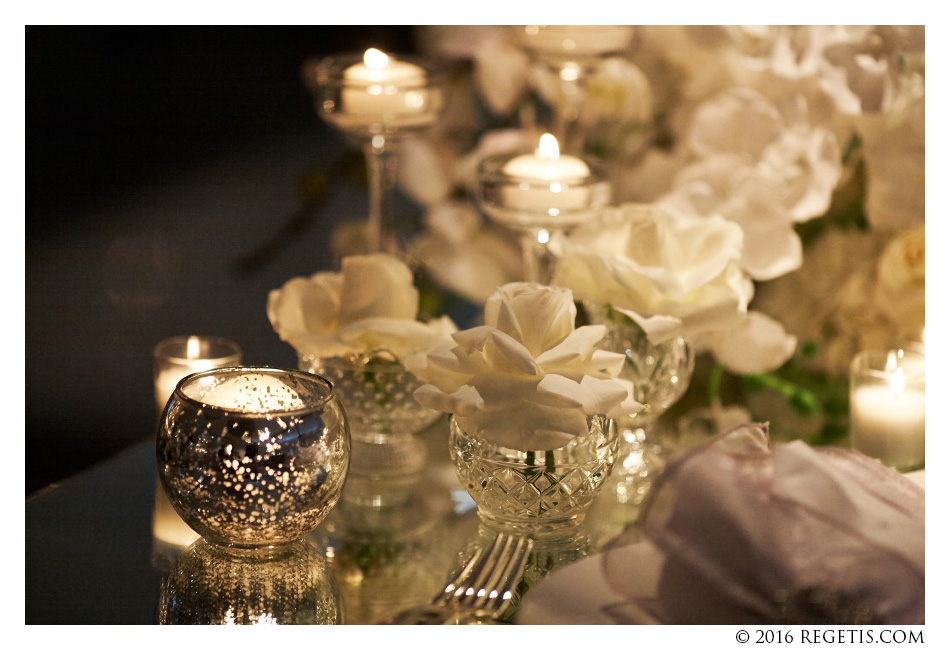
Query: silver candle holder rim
300	375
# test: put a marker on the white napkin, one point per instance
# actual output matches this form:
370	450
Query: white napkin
748	533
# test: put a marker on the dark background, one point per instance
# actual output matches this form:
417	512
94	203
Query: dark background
157	158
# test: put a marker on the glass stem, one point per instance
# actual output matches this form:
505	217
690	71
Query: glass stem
567	122
381	167
537	259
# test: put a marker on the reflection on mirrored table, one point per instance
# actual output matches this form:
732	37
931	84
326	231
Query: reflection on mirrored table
377	554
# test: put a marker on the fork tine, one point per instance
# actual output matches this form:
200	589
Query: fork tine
509	572
512	573
459	580
489	572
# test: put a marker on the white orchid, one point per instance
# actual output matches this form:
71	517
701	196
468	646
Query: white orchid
370	305
527	379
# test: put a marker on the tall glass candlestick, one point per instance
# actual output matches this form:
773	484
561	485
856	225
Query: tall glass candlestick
570	53
377	99
541	195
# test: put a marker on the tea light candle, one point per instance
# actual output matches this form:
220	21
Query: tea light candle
179	357
384	89
547	176
887	413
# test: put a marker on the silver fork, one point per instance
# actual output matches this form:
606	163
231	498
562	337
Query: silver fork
481	589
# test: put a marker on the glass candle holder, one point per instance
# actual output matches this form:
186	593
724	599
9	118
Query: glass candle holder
377	99
253	457
207	585
564	57
174	359
887	407
180	356
540	195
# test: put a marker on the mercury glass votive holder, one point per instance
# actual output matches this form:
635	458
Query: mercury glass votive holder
291	585
253	457
887	407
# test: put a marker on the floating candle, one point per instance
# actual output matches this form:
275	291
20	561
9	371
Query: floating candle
383	89
547	177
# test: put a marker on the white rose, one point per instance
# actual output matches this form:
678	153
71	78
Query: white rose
756	344
674	274
901	276
501	73
893	147
618	91
371	304
722	185
527	379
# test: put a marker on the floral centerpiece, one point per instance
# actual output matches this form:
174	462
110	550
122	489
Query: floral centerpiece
359	328
531	397
809	138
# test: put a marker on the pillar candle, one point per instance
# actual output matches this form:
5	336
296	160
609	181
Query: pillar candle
887	411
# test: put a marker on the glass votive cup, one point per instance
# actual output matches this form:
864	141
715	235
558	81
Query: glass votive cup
532	203
253	457
180	356
404	94
887	407
174	359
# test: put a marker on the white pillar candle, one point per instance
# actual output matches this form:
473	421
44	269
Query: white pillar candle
382	89
547	177
887	411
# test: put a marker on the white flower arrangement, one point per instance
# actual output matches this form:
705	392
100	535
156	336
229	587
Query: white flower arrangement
370	306
527	379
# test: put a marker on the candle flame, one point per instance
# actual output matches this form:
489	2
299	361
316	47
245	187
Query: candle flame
897	382
891	364
548	147
193	347
375	59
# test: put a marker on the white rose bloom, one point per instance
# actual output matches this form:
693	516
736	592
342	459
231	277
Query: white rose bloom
370	305
527	379
738	121
501	73
748	196
673	273
756	344
618	91
893	146
757	171
901	275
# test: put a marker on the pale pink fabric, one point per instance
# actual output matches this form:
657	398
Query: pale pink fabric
752	533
